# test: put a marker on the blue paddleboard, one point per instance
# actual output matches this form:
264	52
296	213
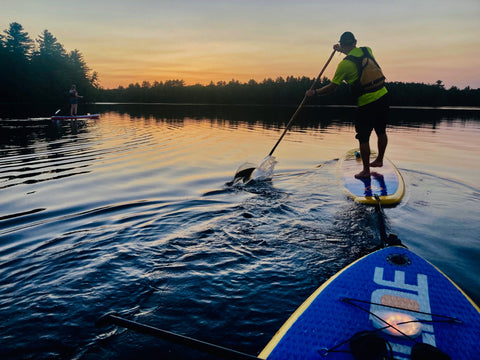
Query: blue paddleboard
386	181
391	292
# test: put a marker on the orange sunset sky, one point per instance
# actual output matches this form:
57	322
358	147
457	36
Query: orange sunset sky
202	41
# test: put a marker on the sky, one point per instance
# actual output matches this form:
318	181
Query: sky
200	41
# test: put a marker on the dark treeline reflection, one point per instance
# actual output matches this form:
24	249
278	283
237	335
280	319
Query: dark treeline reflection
233	115
26	132
279	116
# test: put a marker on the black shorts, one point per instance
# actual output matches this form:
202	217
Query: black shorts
372	116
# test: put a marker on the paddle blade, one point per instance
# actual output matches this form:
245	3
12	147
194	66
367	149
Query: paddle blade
265	169
243	173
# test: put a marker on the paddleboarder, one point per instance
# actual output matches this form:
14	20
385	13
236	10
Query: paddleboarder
360	70
73	95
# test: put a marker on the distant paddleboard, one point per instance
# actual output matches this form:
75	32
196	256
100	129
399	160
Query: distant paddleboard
385	181
68	117
392	293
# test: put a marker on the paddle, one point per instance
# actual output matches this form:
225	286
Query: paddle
216	350
245	174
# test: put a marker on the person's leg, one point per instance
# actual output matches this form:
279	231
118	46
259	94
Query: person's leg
382	146
364	127
365	154
381	120
71	109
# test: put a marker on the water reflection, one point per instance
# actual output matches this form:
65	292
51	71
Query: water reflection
278	116
379	187
57	149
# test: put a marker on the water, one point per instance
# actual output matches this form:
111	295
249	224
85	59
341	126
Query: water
132	213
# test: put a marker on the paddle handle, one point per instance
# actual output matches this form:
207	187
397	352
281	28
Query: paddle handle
302	103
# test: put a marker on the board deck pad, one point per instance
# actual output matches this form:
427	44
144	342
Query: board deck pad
386	181
394	276
68	117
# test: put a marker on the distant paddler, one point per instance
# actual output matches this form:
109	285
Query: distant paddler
73	95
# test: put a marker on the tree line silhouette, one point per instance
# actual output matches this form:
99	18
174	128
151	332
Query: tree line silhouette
42	71
289	91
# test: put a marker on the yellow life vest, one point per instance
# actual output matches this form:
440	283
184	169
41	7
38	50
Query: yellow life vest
370	76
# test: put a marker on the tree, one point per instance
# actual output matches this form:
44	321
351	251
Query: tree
15	55
439	84
49	64
17	41
78	66
49	47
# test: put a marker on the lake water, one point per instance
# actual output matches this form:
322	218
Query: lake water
131	213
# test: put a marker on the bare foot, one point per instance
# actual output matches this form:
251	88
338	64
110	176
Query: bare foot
363	175
376	163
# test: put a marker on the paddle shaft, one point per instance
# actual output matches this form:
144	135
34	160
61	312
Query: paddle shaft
175	338
301	104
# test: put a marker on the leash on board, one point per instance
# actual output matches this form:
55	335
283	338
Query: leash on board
385	240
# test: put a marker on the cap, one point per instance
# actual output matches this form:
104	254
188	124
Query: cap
347	38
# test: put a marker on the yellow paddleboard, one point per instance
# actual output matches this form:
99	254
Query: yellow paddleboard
386	182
